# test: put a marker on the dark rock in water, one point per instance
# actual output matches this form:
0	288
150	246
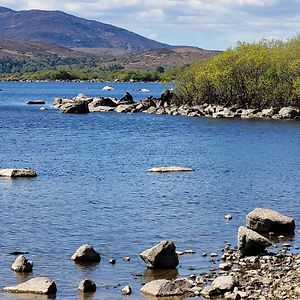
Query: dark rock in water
87	286
18	252
38	285
38	102
86	253
264	220
22	264
251	242
75	107
161	256
126	99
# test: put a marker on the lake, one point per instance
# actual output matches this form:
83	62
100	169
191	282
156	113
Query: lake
93	185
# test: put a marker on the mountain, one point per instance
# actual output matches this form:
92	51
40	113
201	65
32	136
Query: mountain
69	31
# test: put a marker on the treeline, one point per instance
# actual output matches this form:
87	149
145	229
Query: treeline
260	75
53	67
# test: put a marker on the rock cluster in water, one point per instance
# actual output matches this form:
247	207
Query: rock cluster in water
166	105
247	271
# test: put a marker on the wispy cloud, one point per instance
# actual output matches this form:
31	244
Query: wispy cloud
209	24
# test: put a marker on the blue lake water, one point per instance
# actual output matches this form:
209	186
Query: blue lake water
93	185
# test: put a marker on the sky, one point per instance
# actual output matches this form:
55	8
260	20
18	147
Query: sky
209	24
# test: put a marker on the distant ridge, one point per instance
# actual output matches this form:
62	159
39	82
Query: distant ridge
70	31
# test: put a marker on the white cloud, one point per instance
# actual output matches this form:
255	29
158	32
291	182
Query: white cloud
208	24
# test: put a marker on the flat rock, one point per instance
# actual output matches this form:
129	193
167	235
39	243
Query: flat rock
266	220
17	173
220	286
38	285
161	256
165	288
37	102
22	264
250	242
170	169
86	253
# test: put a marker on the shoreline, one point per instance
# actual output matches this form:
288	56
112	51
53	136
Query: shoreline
166	105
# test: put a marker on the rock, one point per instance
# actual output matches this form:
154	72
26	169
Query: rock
124	108
126	99
213	254
145	104
75	107
225	266
101	108
161	256
17	173
58	102
144	90
87	286
126	290
265	220
250	242
165	288
107	88
220	286
110	102
86	253
289	113
35	102
167	97
126	258
228	217
112	261
21	264
43	108
38	285
170	169
269	112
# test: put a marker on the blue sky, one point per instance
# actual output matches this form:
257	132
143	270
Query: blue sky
210	24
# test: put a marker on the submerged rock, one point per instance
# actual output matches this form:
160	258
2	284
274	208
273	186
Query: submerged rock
251	242
22	264
161	256
170	169
165	288
17	173
38	285
264	220
86	253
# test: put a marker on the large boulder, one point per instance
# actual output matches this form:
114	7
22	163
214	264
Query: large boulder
167	97
17	173
126	99
38	285
125	108
22	264
75	107
165	288
289	113
250	242
86	253
108	101
266	220
161	256
220	286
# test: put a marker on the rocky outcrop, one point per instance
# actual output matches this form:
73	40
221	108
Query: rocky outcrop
14	173
75	107
161	256
169	169
166	288
251	242
86	253
87	286
38	285
265	220
289	113
22	264
220	286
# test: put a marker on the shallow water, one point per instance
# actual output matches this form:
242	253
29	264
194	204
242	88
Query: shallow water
93	185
